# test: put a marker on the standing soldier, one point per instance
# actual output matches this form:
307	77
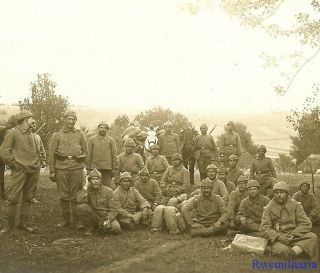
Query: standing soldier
19	152
2	165
41	154
233	171
206	150
169	142
67	153
230	143
156	163
129	161
263	171
102	154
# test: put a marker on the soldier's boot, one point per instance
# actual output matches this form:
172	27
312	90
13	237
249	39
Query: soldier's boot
65	214
9	226
23	224
76	221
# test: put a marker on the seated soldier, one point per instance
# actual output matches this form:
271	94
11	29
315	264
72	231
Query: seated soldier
219	187
286	226
263	171
134	209
233	171
96	208
251	208
308	202
174	185
235	199
223	175
148	188
209	211
156	163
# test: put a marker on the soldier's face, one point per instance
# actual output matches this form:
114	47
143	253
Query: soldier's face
129	148
167	129
155	152
230	128
70	122
233	163
223	177
203	130
144	177
176	163
211	174
280	196
304	188
206	191
261	152
102	130
30	123
253	192
242	186
125	184
95	182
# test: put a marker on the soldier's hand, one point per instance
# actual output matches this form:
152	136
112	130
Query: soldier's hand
53	177
128	215
145	214
154	205
106	224
217	224
284	239
43	164
196	225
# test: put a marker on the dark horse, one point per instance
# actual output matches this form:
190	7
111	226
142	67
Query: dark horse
188	150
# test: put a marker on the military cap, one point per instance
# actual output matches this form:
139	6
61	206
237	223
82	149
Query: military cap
70	113
103	123
24	114
206	183
129	142
262	147
252	183
155	146
2	127
235	157
125	175
230	123
222	169
144	170
281	186
204	126
304	182
94	173
242	178
176	157
168	123
212	167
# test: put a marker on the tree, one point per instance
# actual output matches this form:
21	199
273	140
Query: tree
158	116
48	107
285	162
305	28
122	121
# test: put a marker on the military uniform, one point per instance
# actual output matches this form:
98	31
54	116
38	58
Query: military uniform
156	165
207	152
263	171
289	219
230	143
67	152
251	209
97	205
102	155
235	199
150	190
206	212
131	163
131	202
233	175
41	154
309	204
169	144
2	165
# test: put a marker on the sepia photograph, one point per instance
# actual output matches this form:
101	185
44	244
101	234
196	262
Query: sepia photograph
172	136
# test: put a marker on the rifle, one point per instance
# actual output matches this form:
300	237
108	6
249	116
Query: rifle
213	129
40	127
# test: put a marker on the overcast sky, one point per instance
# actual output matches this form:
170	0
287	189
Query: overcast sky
143	53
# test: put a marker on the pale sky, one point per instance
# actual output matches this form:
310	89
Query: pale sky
143	53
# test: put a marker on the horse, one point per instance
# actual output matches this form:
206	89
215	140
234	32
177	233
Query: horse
152	138
187	137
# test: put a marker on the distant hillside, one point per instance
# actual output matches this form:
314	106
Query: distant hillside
270	129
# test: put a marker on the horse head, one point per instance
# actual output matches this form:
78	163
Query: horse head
151	139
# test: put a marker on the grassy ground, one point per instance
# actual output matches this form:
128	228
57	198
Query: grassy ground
66	250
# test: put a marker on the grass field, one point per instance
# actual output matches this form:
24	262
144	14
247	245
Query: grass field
66	250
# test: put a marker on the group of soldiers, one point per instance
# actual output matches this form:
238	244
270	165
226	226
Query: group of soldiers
122	192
